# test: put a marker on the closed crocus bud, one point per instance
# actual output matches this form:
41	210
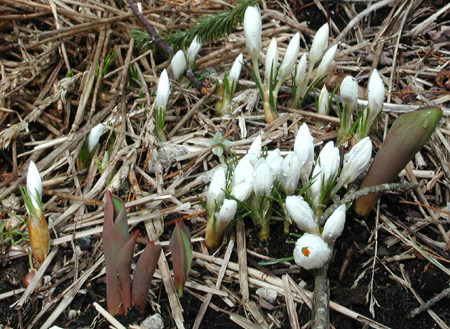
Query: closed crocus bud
290	57
355	162
226	213
324	98
252	32
242	191
216	189
302	214
300	75
34	185
319	45
327	59
329	162
304	148
193	50
311	252
290	173
262	179
163	90
178	64
243	171
349	93
316	186
271	60
94	136
334	225
376	93
235	71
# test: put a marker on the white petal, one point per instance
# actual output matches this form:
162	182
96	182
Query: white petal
193	50
376	93
304	148
311	252
263	179
163	90
271	60
319	44
302	214
178	64
334	225
216	189
290	173
326	62
94	136
349	93
227	212
252	31
235	71
242	191
300	75
290	57
255	148
324	98
34	185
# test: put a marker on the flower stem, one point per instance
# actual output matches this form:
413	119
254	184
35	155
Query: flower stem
321	310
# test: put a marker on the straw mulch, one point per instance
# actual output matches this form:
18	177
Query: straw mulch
384	267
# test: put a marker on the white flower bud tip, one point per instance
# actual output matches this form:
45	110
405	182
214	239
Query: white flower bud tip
216	192
334	225
193	50
163	90
376	93
349	93
252	31
262	179
178	64
290	173
311	252
242	191
34	185
235	71
319	44
94	136
290	57
227	212
271	60
326	62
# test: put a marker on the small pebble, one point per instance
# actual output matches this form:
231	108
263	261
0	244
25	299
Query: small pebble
267	294
153	322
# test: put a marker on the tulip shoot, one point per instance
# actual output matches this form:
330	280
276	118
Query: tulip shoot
181	250
408	134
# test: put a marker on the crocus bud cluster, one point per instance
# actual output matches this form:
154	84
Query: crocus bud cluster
227	86
303	76
312	250
274	75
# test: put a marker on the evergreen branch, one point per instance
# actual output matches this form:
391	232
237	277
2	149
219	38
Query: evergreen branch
211	28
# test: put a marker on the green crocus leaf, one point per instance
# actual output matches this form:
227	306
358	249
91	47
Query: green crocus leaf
180	247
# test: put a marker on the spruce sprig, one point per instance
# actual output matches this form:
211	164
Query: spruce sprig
211	28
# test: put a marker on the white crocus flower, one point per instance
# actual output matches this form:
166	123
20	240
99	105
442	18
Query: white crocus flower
324	99
252	32
376	93
300	75
193	51
226	214
304	148
327	59
178	64
216	193
349	93
271	60
163	90
262	179
355	162
290	173
235	71
242	191
34	185
290	57
316	187
334	225
311	252
275	161
302	214
243	171
319	44
329	162
94	136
